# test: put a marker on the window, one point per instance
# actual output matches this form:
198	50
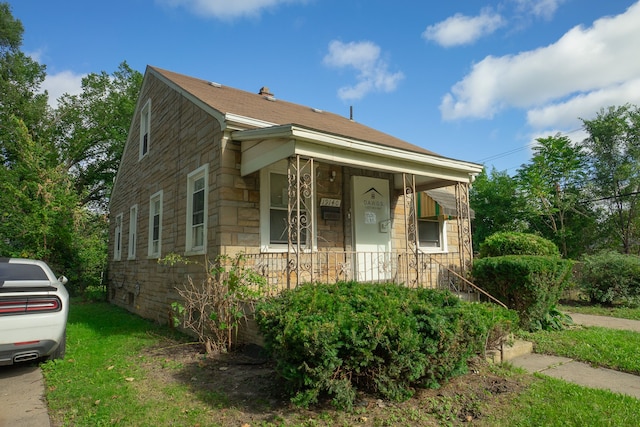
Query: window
274	209
145	129
155	224
432	235
197	191
117	239
133	228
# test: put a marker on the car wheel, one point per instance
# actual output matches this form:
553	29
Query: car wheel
60	351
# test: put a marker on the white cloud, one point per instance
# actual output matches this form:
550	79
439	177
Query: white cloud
364	57
228	9
567	114
461	29
585	64
59	84
539	8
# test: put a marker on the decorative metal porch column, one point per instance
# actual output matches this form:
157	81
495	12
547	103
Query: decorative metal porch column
301	219
464	225
411	229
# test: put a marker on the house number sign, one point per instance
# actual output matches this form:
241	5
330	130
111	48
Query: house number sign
334	203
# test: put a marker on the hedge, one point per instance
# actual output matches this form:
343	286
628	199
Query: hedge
334	340
513	243
529	284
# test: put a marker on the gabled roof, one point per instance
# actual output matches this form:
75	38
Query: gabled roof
270	130
231	102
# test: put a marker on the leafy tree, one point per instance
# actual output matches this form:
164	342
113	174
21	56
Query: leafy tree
497	206
56	167
92	129
552	182
20	80
614	147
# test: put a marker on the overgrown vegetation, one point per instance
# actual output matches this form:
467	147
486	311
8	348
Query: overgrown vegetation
215	308
339	339
611	278
57	165
527	274
124	370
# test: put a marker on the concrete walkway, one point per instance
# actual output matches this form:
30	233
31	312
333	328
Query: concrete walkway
581	373
22	402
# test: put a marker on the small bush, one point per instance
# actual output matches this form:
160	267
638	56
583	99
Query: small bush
531	285
336	339
611	278
512	243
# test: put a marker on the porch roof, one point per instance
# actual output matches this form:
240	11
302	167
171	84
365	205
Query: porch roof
265	146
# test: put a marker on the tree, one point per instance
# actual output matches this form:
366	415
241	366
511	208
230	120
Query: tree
20	81
614	148
552	182
497	205
92	129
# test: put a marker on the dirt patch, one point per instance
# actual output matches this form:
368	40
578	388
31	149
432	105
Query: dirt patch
243	389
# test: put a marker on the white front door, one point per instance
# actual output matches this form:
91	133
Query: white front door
372	228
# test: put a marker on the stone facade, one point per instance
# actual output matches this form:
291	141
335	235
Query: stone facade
185	136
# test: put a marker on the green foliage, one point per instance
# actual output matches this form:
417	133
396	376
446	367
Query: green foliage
383	338
529	284
497	205
512	243
552	182
553	320
215	308
614	147
609	277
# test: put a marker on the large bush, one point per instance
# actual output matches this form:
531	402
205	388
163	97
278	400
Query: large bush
611	278
512	243
529	284
384	338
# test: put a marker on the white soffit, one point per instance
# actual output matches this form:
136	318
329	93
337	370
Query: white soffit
261	147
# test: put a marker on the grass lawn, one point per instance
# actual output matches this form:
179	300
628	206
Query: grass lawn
123	370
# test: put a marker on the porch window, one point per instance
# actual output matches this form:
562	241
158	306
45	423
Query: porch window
145	129
197	190
274	209
133	230
155	224
117	239
432	235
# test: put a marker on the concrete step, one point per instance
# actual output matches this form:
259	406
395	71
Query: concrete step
509	350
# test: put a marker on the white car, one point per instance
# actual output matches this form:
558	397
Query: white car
34	306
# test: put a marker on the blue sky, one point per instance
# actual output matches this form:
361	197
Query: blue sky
476	80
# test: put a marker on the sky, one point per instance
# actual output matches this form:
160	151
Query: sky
473	80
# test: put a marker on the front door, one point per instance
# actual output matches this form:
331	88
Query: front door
372	228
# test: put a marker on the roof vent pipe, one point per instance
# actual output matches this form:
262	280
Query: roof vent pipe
351	112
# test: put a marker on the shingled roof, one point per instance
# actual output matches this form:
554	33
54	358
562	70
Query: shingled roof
266	108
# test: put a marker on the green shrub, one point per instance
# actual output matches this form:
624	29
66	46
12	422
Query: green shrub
513	243
336	339
611	278
531	285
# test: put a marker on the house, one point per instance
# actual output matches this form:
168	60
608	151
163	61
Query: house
307	195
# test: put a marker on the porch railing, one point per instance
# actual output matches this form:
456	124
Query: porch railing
422	270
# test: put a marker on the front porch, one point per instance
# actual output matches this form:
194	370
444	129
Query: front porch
418	270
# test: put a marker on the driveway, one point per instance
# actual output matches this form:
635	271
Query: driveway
22	397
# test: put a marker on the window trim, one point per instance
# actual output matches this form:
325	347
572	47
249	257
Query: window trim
117	238
133	232
155	197
443	235
265	211
145	125
201	172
